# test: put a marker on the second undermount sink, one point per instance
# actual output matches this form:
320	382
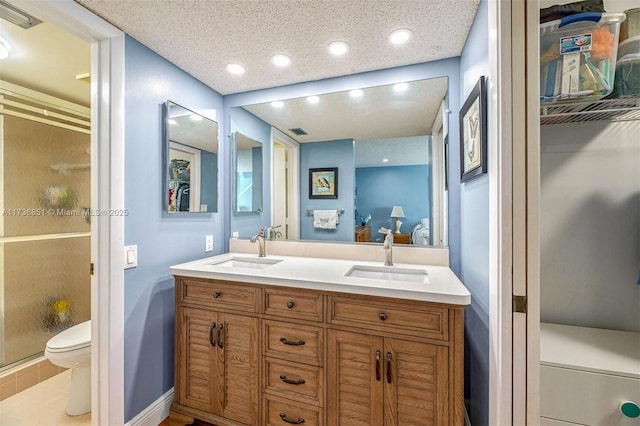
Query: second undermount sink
388	273
247	262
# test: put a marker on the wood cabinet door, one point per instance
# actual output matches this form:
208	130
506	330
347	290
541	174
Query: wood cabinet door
354	379
237	368
196	358
416	384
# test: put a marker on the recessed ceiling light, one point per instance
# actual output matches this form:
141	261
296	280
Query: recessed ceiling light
355	93
235	69
400	87
400	36
277	104
338	48
385	160
313	99
280	60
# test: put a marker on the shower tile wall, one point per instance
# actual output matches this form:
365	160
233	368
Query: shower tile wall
41	269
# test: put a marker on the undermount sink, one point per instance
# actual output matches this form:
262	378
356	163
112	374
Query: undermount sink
247	262
388	273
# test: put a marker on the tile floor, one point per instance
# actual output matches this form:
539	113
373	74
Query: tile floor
41	405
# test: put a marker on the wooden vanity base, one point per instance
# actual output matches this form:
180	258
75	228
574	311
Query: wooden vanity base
252	354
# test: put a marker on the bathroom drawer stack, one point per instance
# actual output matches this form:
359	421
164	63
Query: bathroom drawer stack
251	354
293	348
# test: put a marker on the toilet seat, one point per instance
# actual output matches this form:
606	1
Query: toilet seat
76	337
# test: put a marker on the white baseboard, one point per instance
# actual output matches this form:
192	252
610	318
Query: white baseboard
154	414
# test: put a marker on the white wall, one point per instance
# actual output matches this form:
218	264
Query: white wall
590	224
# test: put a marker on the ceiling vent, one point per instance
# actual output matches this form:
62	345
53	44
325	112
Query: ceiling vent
298	131
16	16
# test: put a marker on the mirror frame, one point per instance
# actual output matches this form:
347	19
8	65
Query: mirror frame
167	142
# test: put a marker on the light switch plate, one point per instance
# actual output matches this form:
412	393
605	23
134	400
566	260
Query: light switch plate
208	243
130	256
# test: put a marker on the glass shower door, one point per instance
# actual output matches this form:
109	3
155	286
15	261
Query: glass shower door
45	225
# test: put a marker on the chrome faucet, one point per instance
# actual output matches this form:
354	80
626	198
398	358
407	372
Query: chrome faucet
387	246
261	242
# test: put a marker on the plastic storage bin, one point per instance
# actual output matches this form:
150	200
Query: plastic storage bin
627	79
578	57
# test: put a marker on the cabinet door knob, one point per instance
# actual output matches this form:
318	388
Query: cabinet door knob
290	304
382	316
284	418
216	294
630	409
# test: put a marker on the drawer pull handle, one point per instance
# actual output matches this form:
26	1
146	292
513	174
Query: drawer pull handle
378	365
284	418
290	304
220	334
212	329
216	294
290	343
382	316
388	367
291	382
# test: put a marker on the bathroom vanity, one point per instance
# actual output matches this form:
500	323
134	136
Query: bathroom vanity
291	340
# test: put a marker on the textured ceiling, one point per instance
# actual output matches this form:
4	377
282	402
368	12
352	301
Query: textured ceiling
202	36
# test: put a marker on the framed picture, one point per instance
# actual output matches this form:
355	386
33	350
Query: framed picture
473	133
323	183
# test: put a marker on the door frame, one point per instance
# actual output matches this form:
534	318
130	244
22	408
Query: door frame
293	181
107	193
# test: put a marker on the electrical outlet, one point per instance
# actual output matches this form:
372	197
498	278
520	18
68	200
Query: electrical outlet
208	243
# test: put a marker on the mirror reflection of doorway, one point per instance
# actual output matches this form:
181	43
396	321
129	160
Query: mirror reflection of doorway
285	178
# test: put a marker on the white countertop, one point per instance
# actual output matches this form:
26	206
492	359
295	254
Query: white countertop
590	349
329	275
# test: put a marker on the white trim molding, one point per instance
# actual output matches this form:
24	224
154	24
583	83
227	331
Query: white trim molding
500	169
155	413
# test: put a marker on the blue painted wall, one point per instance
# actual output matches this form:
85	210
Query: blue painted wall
328	154
474	225
163	239
447	67
248	224
378	189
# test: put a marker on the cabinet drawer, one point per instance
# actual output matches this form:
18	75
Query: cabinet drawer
279	412
220	294
292	304
294	342
586	397
416	320
292	380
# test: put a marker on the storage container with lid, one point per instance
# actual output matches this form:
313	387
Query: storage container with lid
578	56
627	79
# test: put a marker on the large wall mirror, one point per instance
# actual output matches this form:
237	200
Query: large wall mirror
191	149
247	173
388	143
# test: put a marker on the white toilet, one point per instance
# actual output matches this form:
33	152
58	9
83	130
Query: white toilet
72	349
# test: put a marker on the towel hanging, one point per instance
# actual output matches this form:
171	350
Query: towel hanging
325	219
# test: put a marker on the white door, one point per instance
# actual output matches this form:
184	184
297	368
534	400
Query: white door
285	184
